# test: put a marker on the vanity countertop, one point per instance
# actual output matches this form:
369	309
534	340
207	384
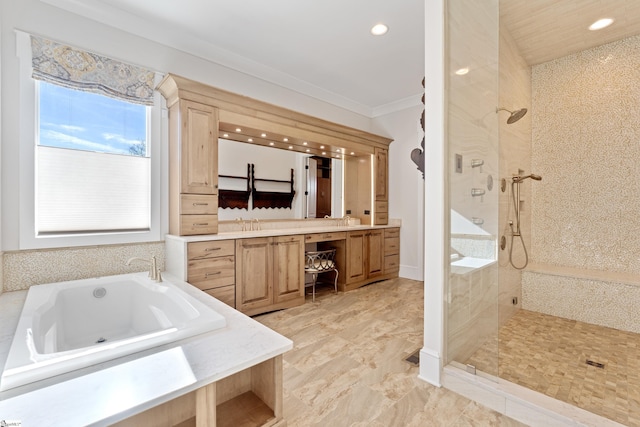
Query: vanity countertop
298	228
112	391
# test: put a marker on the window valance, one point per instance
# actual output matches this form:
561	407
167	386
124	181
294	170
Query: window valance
77	69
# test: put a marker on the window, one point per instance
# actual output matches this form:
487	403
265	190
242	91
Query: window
90	169
93	171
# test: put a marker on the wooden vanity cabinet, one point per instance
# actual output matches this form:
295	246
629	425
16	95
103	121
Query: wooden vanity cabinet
391	251
365	257
211	268
381	204
269	273
193	163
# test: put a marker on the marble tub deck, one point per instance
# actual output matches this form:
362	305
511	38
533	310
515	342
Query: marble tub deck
348	368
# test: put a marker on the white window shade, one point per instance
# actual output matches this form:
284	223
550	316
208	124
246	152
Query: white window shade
80	191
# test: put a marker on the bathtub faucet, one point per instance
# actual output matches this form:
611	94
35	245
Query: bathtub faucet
154	271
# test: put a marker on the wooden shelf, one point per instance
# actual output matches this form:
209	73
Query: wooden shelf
245	410
249	398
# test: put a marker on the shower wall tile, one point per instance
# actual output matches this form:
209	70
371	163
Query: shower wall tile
599	302
1	272
515	154
585	134
22	269
471	312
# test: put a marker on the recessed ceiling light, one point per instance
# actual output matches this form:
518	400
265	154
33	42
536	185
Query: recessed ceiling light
462	71
286	139
324	153
225	135
352	153
322	147
250	140
308	150
379	29
304	143
600	24
264	135
338	156
271	143
238	130
291	147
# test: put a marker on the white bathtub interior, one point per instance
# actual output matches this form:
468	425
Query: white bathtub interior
70	325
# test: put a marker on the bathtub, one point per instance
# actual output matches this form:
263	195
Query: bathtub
71	325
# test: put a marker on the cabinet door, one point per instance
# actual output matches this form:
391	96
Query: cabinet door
254	273
199	152
381	174
288	261
356	253
375	253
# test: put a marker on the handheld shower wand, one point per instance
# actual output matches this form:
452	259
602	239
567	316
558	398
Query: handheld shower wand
515	196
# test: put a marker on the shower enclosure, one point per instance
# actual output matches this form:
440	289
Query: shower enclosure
489	131
573	223
473	134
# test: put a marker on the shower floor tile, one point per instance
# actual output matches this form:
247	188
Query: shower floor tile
549	354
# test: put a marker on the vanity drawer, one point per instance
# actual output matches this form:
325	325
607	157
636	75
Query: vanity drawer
391	232
198	204
382	218
210	249
325	237
198	224
226	294
212	272
391	246
391	263
382	207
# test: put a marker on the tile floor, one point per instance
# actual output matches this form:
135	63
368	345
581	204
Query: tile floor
347	366
548	354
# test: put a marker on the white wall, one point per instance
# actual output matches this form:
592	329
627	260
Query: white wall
435	204
36	17
406	186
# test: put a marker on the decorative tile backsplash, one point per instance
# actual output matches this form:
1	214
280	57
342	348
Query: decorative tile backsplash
22	269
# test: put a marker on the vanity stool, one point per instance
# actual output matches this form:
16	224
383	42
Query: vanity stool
318	262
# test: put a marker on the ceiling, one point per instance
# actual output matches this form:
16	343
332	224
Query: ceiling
548	29
324	48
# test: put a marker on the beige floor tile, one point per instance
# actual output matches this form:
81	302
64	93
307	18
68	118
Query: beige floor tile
347	367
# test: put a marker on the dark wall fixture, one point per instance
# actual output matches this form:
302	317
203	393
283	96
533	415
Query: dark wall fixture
236	198
417	154
271	199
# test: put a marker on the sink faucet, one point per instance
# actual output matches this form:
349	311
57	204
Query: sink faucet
346	220
242	226
257	224
154	271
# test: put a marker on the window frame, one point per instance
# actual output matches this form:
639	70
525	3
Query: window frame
29	114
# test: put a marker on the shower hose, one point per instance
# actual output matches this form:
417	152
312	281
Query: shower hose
524	247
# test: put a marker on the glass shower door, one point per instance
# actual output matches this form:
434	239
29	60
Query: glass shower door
472	294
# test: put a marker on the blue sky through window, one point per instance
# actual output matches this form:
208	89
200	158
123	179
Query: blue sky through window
86	121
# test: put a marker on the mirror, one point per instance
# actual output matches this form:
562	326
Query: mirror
272	171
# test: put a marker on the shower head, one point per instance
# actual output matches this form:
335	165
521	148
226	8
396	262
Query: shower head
515	115
518	179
